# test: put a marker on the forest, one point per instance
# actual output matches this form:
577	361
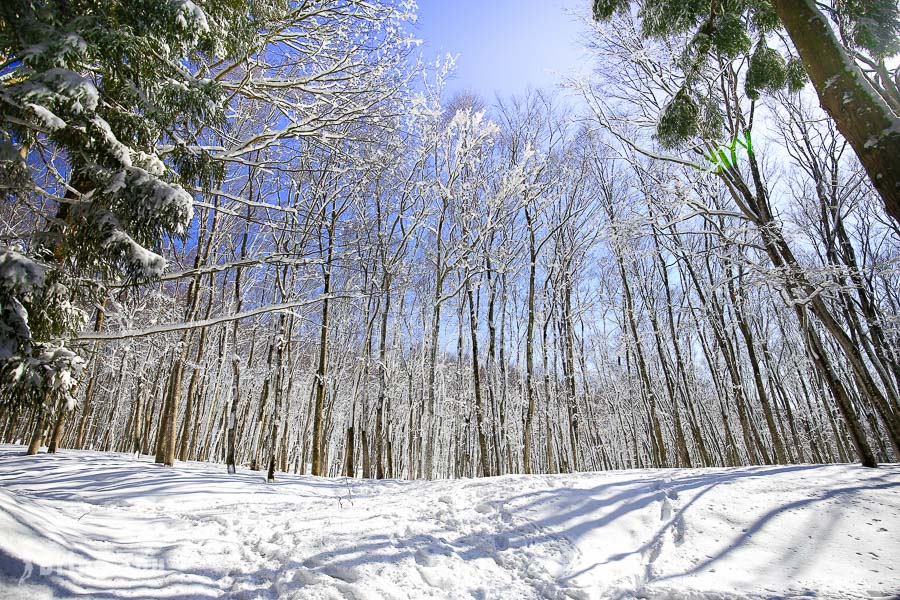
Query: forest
263	235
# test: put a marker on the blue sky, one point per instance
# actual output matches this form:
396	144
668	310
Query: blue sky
504	46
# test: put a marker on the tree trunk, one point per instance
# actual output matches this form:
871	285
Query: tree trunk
277	416
382	379
476	385
56	436
862	116
38	434
529	349
318	426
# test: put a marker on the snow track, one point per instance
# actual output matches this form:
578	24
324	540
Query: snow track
111	526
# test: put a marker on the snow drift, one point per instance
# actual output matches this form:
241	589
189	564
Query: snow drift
112	526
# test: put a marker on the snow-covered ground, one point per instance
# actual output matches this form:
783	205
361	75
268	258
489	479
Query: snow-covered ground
115	526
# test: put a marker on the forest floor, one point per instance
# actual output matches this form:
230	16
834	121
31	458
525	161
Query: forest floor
110	526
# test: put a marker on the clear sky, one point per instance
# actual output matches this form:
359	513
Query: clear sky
504	46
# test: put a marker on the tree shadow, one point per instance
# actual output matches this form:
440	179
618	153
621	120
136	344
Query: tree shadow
513	521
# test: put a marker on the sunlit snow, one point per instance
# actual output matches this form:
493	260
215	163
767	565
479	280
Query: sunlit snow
116	526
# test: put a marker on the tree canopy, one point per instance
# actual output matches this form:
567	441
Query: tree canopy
848	70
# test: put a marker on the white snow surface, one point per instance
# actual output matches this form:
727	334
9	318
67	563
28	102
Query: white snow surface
109	526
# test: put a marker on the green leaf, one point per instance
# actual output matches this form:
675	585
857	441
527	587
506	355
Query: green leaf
679	120
605	9
797	77
729	35
767	71
871	24
661	18
763	16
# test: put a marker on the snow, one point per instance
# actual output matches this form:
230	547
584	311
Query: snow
115	526
190	17
116	148
149	264
18	273
80	89
47	118
161	197
876	141
63	368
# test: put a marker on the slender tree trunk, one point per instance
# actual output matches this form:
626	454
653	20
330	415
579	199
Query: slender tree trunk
841	397
528	434
277	417
382	379
744	327
318	466
231	423
89	390
476	386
